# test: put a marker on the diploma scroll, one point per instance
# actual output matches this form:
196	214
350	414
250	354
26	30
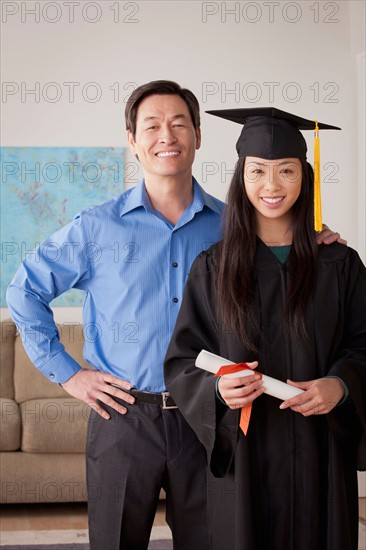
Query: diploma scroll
211	362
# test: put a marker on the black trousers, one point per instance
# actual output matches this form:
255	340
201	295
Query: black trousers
129	458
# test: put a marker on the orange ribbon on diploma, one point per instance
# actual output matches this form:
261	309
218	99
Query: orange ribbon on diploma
276	388
247	409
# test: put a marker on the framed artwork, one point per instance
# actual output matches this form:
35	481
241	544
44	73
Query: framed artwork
42	189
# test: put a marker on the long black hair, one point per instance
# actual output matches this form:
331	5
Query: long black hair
235	269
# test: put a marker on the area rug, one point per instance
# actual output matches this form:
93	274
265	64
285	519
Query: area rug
154	545
71	539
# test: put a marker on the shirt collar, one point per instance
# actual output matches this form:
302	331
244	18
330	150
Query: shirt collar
138	198
201	199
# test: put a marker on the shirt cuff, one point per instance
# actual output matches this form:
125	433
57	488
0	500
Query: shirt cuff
218	396
345	387
60	368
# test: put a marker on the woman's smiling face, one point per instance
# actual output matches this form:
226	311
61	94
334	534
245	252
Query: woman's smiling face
272	186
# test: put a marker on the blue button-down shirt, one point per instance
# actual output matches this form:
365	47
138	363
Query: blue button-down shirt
132	264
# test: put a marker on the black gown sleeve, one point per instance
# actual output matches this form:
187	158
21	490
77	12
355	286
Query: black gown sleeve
350	363
192	388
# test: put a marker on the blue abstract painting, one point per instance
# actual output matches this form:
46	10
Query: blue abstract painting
42	189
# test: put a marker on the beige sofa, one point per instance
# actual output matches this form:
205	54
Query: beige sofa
42	428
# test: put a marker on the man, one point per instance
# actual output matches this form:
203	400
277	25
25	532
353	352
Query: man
132	300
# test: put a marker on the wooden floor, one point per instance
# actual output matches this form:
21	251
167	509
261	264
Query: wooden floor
38	517
40	520
41	517
362	513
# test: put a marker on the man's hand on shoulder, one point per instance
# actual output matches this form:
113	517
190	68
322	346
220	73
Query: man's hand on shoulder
92	386
327	236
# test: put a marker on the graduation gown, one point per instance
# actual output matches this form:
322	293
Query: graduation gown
291	483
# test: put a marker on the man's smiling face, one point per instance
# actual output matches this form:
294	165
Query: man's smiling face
165	140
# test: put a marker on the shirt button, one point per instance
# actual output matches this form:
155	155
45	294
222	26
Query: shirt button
52	375
174	264
175	300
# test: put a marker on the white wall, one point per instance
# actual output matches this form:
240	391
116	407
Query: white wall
304	57
311	66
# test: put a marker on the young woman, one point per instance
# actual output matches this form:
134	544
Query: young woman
268	295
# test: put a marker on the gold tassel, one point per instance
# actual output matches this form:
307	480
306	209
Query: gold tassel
318	224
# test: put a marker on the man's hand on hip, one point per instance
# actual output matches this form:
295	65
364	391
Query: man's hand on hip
92	385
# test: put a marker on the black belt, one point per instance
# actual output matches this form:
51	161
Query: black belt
164	399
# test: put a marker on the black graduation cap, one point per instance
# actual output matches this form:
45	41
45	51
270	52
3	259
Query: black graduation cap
270	133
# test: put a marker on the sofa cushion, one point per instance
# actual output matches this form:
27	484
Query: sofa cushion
54	425
28	477
7	359
29	383
10	425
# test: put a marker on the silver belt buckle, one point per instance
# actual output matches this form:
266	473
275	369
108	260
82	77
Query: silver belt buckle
165	395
